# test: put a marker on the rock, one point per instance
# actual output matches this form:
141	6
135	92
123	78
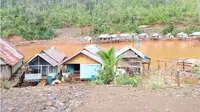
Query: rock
49	103
11	109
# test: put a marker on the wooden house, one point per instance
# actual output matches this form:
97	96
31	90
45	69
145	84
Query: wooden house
132	60
85	63
46	63
11	60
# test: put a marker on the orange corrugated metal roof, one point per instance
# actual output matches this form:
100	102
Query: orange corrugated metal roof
9	53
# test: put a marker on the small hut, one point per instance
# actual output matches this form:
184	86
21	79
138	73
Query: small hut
169	36
84	64
11	60
105	37
115	37
195	35
156	36
87	38
134	35
46	63
132	60
125	36
143	36
182	35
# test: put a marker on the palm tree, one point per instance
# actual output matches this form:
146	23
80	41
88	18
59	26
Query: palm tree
107	74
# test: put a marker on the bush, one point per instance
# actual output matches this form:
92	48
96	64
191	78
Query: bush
197	71
6	84
156	81
169	28
128	80
191	28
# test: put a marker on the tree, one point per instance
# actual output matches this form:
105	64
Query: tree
107	74
198	6
169	28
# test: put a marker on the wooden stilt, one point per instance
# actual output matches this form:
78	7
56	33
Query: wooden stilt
158	65
177	79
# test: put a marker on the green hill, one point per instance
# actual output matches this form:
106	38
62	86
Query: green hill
34	19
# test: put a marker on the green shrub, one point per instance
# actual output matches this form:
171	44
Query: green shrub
191	28
169	28
128	80
196	71
100	82
6	84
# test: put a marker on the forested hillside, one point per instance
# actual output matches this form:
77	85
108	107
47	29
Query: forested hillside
37	18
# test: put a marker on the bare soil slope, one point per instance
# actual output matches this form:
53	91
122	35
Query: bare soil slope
126	99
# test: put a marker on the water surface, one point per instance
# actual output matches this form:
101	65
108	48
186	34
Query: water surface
155	49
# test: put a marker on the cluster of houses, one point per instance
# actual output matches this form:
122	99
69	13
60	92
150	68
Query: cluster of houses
54	64
134	36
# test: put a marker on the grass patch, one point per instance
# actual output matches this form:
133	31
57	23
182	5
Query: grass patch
5	84
129	80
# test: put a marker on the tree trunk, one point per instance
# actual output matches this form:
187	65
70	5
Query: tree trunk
198	6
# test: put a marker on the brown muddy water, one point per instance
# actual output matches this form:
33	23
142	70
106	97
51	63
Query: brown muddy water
155	49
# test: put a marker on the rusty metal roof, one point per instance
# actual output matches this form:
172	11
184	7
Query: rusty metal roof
9	53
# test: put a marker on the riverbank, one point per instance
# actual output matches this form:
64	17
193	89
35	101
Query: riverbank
19	41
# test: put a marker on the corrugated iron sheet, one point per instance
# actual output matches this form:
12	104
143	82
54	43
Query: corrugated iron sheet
54	53
9	53
87	53
93	48
120	52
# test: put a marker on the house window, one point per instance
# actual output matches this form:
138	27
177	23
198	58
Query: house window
52	69
34	69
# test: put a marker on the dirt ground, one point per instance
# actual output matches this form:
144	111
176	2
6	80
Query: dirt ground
126	99
42	99
84	98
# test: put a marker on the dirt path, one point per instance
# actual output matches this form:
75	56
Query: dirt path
125	99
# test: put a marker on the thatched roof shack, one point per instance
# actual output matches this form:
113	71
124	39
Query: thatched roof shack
132	58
